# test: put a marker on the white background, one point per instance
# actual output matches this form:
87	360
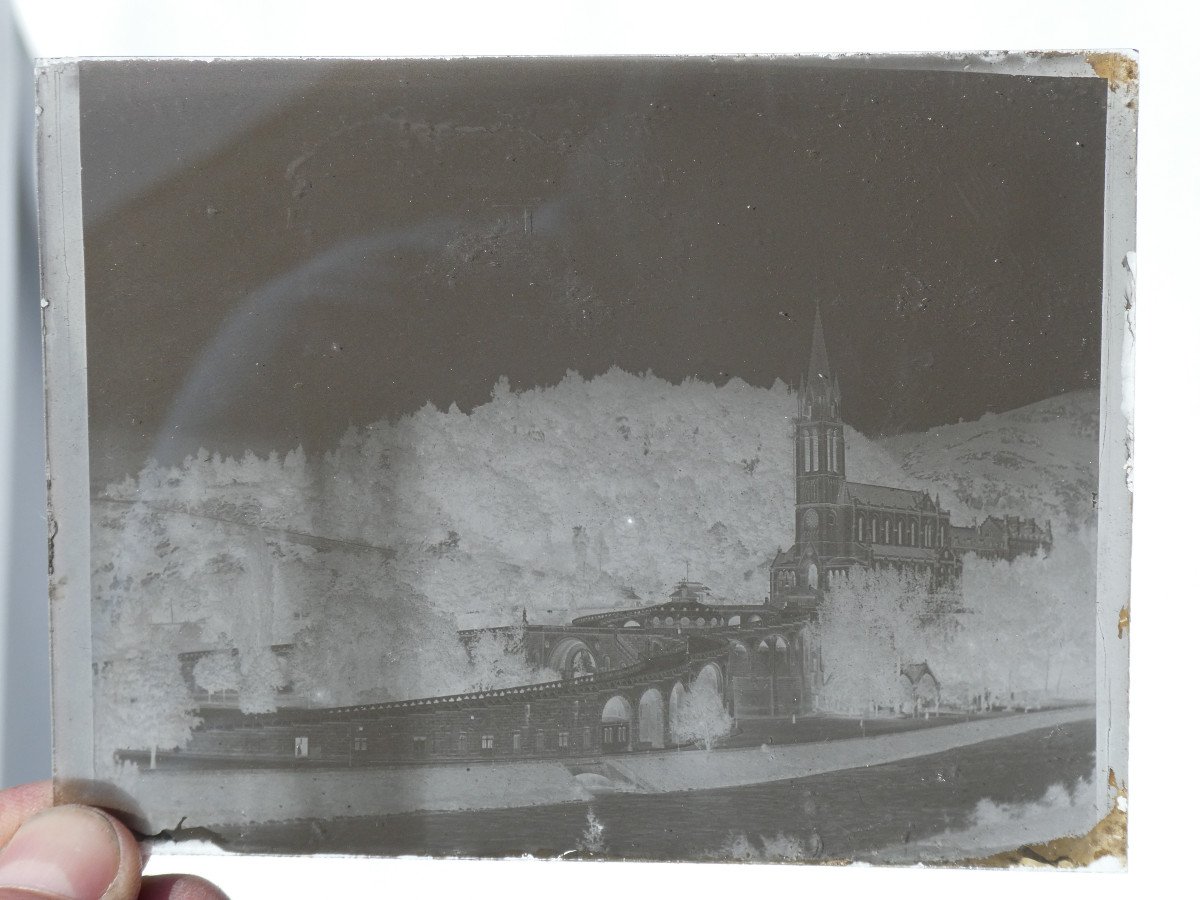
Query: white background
1163	773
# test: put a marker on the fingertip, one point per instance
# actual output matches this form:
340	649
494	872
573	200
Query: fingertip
179	887
129	872
71	851
20	803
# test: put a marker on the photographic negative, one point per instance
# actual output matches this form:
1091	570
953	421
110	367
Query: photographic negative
634	458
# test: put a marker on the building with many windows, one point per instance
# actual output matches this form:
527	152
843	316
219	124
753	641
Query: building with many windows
841	523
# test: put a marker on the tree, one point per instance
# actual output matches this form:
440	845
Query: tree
216	672
1018	631
497	660
871	624
142	703
261	678
593	835
372	638
701	716
1027	625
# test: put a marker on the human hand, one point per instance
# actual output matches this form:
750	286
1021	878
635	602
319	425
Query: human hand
77	852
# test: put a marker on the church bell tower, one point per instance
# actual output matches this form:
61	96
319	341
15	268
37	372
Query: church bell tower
820	450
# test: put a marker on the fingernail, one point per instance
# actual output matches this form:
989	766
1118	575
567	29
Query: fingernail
69	851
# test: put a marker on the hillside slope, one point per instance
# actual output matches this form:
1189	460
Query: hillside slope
1040	460
588	494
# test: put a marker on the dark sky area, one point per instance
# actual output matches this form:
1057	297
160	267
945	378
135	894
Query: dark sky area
277	250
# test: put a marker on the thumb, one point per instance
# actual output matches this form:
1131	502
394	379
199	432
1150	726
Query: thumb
70	852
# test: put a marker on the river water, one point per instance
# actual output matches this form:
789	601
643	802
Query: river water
842	814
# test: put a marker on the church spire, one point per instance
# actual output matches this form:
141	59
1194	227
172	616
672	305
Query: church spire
822	526
822	393
819	369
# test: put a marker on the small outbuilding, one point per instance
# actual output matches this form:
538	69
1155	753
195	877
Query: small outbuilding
926	690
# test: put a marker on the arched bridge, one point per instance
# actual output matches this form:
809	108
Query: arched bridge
623	678
770	662
635	707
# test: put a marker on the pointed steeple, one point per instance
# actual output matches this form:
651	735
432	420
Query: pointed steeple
819	369
821	391
822	523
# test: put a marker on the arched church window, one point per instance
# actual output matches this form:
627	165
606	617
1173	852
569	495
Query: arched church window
830	452
874	529
914	533
941	535
860	528
813	575
887	531
790	578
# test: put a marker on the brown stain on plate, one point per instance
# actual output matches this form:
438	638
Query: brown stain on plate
1116	68
1109	838
1122	622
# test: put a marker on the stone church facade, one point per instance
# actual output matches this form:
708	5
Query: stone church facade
841	524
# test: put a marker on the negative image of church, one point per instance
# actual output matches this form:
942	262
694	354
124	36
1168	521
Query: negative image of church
841	524
623	672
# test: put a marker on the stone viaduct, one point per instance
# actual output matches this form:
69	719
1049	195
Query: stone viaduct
623	676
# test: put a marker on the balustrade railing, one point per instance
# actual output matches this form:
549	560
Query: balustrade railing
660	665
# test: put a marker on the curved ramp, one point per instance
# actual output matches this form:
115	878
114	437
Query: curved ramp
698	770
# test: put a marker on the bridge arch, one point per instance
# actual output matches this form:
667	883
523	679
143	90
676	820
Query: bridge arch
615	721
673	701
769	654
572	657
651	728
711	675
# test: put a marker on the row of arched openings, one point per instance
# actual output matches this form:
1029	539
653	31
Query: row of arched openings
786	578
689	622
758	660
814	450
654	716
906	531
